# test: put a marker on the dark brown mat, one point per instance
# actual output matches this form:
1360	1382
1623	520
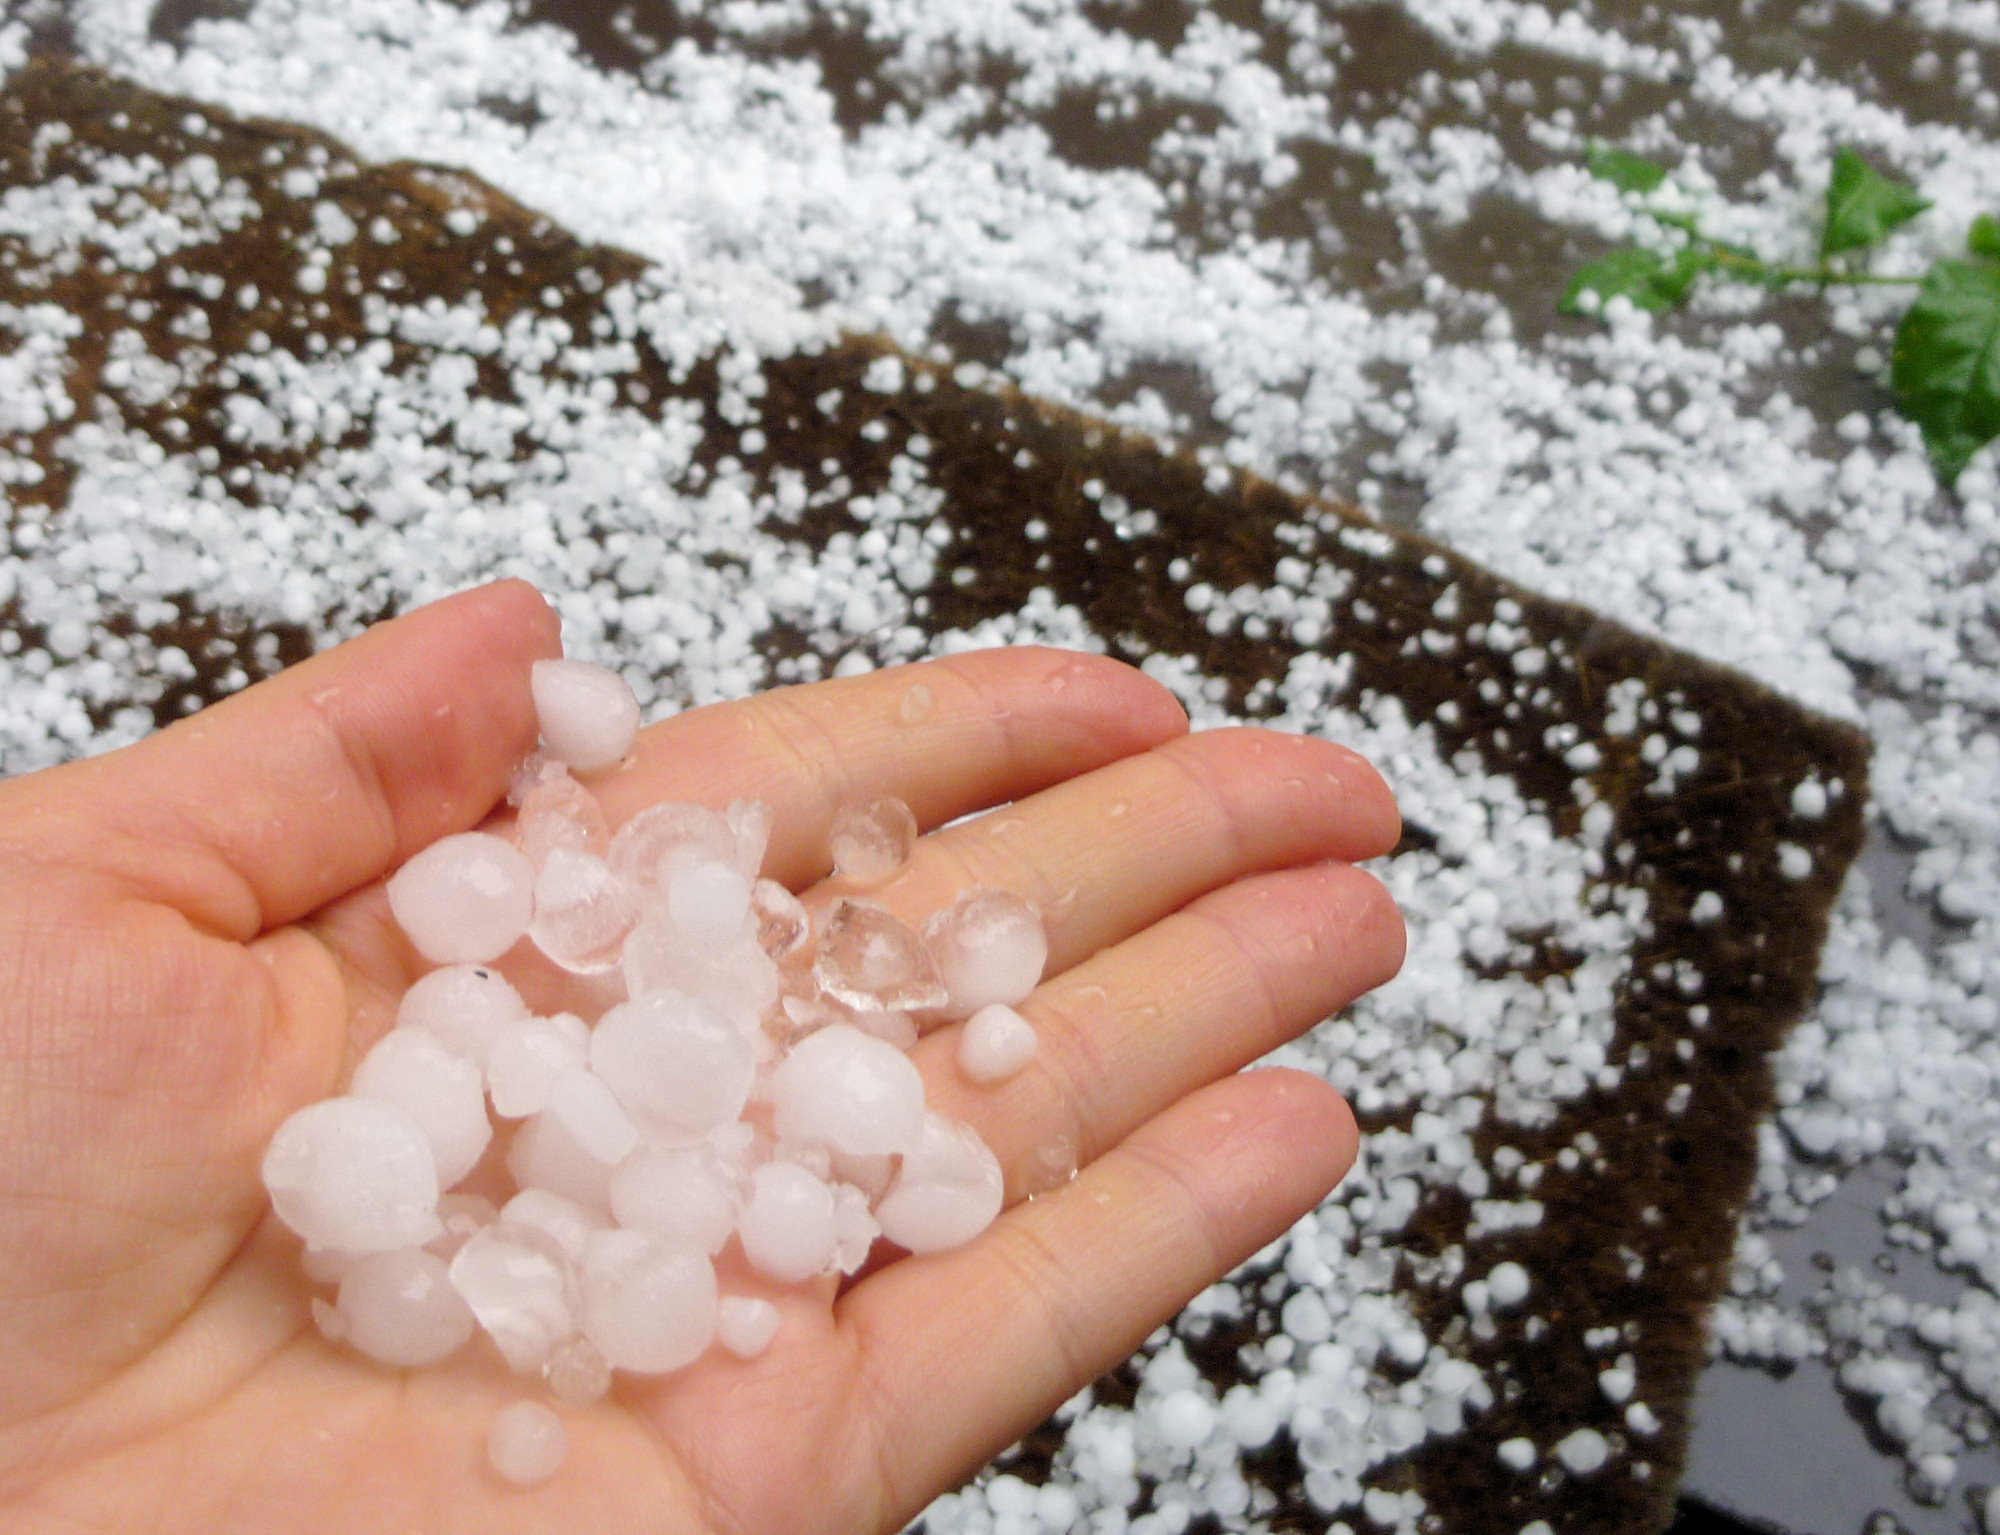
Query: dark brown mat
1758	959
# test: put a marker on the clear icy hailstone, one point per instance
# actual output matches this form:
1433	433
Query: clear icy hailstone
995	1043
576	1373
530	771
648	1303
871	842
749	823
465	1006
442	1092
648	848
681	1193
870	961
738	979
546	1156
464	899
521	1287
564	1219
848	1091
674	1062
399	1307
745	1325
784	930
948	1190
587	714
787	1225
353	1174
526	1443
528	1056
989	946
582	912
558	812
584	1106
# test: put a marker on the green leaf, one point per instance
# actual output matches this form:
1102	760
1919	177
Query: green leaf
1651	281
1624	170
1983	238
1945	368
1863	205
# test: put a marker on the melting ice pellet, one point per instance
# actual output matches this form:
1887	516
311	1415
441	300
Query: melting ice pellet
995	1043
871	842
526	1443
587	714
745	1325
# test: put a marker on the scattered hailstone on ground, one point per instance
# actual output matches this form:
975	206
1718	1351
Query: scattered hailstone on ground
736	1085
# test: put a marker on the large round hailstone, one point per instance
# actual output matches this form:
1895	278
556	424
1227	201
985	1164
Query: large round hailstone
465	1006
564	1219
848	1091
521	1287
354	1175
591	1113
583	910
673	1061
648	1303
739	980
528	1056
787	1226
464	899
679	1193
708	902
588	716
399	1307
989	946
545	1155
949	1189
442	1092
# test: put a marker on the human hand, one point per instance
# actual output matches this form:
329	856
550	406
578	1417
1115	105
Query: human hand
194	942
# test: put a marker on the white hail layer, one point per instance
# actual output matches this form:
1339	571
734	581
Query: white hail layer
1538	478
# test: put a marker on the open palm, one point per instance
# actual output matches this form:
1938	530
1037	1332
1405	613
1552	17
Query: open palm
194	943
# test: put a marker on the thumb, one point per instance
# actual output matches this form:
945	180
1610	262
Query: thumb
264	807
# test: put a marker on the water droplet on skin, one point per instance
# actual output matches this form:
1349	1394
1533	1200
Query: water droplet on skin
1049	1166
1118	810
917	705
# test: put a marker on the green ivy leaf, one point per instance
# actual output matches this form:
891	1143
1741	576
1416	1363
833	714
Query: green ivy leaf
1946	365
1651	281
1863	205
1624	170
1983	238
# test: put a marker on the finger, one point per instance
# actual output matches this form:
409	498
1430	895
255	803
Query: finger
1143	1024
948	737
1060	1289
1106	855
269	804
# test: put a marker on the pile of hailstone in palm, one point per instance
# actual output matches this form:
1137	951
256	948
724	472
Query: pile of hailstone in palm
747	1081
